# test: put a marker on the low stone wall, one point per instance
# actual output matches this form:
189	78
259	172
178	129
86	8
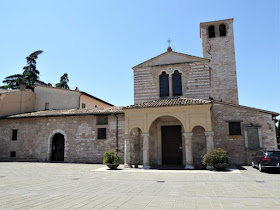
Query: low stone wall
80	133
235	145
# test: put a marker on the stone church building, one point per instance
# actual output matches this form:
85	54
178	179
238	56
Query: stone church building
183	107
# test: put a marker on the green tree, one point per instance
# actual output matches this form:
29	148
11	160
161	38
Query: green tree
63	81
13	81
30	72
30	75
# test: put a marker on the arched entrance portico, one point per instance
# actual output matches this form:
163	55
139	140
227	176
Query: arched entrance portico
57	147
154	118
166	143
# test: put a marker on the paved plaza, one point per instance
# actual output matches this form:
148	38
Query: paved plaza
90	186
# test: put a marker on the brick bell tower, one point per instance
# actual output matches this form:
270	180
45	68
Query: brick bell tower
218	46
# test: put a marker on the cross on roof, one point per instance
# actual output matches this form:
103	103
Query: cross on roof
169	41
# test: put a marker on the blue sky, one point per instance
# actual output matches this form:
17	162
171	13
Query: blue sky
97	42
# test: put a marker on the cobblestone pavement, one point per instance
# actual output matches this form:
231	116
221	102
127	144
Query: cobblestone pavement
82	186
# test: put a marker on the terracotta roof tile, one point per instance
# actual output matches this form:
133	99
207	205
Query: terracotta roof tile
180	101
69	112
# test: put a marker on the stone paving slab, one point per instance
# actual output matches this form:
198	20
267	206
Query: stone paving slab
82	186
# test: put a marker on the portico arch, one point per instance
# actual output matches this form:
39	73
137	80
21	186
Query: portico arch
166	145
198	146
187	114
50	141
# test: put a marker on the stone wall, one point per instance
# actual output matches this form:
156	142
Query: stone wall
80	133
235	145
195	81
220	51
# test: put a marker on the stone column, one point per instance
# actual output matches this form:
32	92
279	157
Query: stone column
146	150
209	140
170	85
189	155
127	157
209	144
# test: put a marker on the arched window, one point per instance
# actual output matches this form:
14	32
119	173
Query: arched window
164	84
211	31
222	29
177	83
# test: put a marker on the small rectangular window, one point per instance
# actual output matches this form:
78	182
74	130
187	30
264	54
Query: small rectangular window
234	128
83	106
13	154
102	120
102	134
47	106
14	135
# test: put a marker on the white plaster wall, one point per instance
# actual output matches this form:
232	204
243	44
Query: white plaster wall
56	97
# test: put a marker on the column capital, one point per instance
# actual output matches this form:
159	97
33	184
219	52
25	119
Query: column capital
145	134
209	133
126	135
187	134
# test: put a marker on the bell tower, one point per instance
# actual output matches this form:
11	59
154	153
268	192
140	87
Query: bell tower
218	46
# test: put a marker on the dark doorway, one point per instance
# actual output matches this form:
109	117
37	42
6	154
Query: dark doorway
57	147
171	145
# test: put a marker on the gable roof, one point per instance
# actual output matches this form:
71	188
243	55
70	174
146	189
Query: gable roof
170	57
179	101
274	114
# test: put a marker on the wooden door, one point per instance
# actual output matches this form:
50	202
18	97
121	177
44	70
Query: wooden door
171	145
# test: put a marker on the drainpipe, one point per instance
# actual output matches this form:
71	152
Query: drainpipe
117	133
80	101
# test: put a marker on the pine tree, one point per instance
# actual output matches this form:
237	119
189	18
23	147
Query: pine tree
30	72
63	81
30	75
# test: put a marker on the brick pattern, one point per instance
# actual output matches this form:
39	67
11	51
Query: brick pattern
198	83
195	81
235	145
81	143
220	51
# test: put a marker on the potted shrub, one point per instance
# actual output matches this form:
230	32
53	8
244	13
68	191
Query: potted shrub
216	158
111	159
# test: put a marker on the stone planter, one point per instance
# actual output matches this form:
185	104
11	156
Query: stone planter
220	166
112	166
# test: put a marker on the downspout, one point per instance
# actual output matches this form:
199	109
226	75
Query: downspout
117	133
80	101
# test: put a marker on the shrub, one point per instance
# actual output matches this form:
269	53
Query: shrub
111	157
214	157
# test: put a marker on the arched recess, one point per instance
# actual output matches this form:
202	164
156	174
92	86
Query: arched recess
222	30
163	84
198	146
178	117
166	145
211	31
177	83
136	146
50	141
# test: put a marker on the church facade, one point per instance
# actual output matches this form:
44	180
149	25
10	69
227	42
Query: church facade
183	107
